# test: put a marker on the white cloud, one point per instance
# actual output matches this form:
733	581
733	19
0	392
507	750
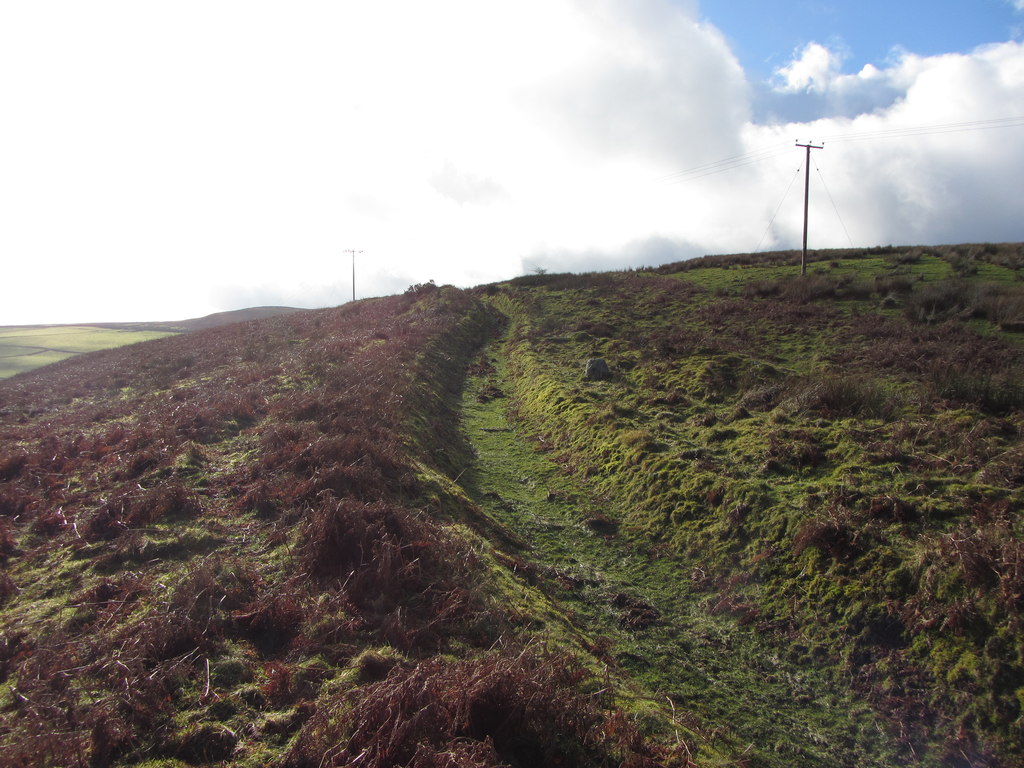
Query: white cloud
814	70
649	251
650	82
910	172
466	187
161	162
813	85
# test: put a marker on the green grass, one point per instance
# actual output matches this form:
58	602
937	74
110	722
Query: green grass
731	686
803	448
24	348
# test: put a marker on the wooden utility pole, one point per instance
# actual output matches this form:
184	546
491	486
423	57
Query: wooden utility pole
807	188
354	252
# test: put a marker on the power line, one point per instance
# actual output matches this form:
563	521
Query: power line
777	150
728	164
779	208
926	130
834	206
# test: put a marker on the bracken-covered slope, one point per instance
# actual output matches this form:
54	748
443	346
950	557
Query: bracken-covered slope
409	532
243	547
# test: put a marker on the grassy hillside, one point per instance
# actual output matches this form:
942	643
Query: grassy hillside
25	348
835	461
408	531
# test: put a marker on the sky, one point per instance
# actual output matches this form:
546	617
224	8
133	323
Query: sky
161	160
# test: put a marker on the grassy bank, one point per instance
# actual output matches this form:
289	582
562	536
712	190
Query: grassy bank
835	460
697	672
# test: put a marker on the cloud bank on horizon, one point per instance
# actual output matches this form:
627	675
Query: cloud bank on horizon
164	161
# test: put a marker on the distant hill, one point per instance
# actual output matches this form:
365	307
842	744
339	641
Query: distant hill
208	321
236	316
24	348
783	529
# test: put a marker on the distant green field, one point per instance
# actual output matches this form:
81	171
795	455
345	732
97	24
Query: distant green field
23	348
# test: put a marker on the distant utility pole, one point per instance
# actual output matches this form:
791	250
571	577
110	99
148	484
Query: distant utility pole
807	187
353	252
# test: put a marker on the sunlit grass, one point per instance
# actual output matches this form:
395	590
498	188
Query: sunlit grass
24	348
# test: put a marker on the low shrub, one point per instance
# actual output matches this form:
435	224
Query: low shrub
834	536
171	498
998	393
885	285
11	464
506	708
1003	306
990	560
936	302
274	617
792	449
801	289
834	394
401	571
760	289
8	541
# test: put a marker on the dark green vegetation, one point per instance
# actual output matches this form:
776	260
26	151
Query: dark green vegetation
408	532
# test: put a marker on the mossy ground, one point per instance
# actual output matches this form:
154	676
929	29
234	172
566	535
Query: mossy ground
731	689
830	458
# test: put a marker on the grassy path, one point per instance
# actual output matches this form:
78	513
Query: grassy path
744	693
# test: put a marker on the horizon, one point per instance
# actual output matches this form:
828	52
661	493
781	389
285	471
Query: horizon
178	163
810	251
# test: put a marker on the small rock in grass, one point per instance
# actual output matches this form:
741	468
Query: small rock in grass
597	369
